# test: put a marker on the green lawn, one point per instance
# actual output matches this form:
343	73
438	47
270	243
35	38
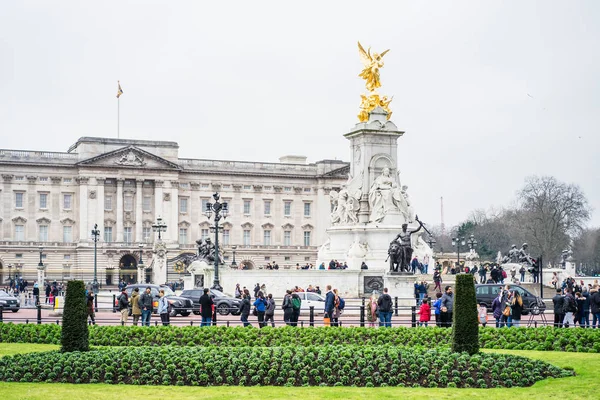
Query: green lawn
585	385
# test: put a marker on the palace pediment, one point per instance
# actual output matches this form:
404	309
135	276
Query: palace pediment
129	157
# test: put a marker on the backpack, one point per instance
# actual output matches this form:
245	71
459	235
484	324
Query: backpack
342	304
296	303
503	273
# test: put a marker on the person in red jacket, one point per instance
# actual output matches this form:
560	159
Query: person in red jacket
424	312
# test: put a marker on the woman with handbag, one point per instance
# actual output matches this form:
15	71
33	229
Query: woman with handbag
516	309
372	312
507	297
260	305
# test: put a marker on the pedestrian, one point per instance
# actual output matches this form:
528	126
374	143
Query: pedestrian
270	311
506	299
437	279
136	311
90	307
329	305
497	310
245	310
238	291
372	310
256	290
437	305
482	313
516	309
36	293
447	307
261	306
287	307
422	290
595	306
163	307
426	264
569	308
335	319
585	306
482	273
557	302
123	303
145	301
207	305
384	305
296	306
424	313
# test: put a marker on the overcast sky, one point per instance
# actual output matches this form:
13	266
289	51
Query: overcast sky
487	92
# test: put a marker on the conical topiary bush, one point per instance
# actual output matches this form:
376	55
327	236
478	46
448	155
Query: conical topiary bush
465	333
75	335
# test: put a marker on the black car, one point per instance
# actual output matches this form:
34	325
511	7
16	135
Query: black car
177	304
486	293
9	302
224	303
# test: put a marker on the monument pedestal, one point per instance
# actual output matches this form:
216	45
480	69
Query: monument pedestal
401	285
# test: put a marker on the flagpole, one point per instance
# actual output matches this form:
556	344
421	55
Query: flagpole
118	117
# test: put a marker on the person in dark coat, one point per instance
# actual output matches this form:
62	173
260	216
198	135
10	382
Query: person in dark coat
329	303
48	290
557	301
595	306
245	310
90	307
206	308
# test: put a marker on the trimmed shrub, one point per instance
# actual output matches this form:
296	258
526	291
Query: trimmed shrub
75	335
465	333
277	366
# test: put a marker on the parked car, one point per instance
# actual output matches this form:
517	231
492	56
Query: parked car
486	293
224	303
9	302
177	304
311	299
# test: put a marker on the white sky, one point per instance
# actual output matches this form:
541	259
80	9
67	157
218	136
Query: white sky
488	92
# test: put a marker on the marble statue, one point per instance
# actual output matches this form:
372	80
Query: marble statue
346	202
385	196
524	257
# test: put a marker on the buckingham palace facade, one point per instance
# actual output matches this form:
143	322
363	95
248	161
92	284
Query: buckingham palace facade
278	211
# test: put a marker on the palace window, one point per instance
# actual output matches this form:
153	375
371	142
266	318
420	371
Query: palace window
287	208
19	233
267	238
183	205
246	240
108	203
287	238
43	201
267	207
247	204
43	233
147	234
127	237
226	237
128	203
147	204
307	209
182	236
307	238
67	201
19	199
108	237
67	234
204	233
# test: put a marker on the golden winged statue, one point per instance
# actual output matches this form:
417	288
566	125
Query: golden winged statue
371	63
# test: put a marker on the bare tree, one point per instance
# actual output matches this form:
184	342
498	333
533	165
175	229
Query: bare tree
550	211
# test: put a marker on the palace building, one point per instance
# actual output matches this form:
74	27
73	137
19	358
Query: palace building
278	211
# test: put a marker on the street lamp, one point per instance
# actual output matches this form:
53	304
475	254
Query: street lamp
96	235
141	263
159	226
221	210
458	242
9	273
233	263
472	242
41	263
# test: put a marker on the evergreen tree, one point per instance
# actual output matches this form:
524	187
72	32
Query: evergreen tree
75	335
465	333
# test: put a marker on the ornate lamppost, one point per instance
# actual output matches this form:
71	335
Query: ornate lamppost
9	272
431	242
159	268
458	242
472	242
95	238
141	263
41	267
220	210
159	226
233	263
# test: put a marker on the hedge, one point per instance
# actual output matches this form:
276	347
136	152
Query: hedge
550	339
465	328
75	336
279	366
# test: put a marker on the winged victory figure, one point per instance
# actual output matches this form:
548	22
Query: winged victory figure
371	63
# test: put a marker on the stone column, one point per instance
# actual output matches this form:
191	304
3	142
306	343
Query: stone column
83	209
100	206
174	228
138	210
158	201
119	212
7	205
322	214
195	211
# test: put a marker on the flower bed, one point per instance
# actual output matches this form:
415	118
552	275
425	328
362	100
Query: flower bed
546	339
278	366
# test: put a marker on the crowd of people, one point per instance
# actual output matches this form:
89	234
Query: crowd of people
573	303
